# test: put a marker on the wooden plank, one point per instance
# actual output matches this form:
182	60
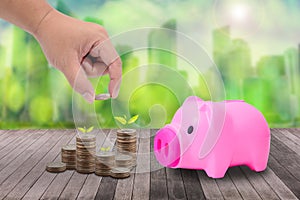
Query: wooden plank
282	191
192	185
286	177
90	187
41	185
39	152
294	131
242	184
74	186
158	182
92	183
175	184
19	140
124	187
28	181
286	137
108	184
209	186
9	136
16	158
227	188
287	158
107	188
57	185
260	185
141	188
20	151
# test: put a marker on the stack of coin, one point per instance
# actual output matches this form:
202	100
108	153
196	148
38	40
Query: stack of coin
85	153
126	143
123	160
120	172
68	156
56	167
105	161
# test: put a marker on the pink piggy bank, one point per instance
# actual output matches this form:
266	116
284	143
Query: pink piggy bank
214	136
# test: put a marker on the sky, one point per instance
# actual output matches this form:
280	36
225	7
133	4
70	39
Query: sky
269	26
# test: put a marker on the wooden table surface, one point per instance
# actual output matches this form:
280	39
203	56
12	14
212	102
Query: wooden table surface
25	153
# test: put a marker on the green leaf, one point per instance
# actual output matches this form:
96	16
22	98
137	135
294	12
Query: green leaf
102	149
90	129
81	129
133	119
121	120
108	148
125	117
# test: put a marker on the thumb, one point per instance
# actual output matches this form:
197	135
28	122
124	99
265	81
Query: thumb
79	81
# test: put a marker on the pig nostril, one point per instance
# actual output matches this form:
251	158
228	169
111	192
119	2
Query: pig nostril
158	144
166	149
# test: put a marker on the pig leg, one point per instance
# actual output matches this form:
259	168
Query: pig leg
216	168
259	156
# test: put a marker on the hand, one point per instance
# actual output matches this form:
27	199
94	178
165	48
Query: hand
80	50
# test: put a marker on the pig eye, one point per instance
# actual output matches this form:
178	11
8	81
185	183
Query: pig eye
190	129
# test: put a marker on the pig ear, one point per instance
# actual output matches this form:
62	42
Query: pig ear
215	113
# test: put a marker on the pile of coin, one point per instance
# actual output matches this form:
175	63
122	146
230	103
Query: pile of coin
105	161
124	161
68	156
126	143
120	172
56	167
85	153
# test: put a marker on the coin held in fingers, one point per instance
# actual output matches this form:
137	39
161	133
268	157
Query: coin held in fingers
102	96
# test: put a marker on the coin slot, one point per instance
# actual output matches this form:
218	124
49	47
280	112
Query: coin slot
159	144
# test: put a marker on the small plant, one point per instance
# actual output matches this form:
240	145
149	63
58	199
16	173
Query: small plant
104	148
124	121
85	130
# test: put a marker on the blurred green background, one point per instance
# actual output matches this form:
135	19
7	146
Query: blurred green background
253	43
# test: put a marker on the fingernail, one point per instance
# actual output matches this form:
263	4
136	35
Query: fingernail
116	92
88	97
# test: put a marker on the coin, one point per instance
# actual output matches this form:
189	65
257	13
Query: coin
102	173
85	171
120	172
56	167
102	96
69	148
86	138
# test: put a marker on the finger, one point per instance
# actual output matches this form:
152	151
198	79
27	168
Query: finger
94	69
78	80
105	51
115	74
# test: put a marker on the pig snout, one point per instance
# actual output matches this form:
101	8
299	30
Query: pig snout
166	147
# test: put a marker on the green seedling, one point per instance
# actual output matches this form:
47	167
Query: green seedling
123	120
86	130
104	148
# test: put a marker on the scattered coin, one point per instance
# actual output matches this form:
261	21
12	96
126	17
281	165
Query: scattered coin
56	167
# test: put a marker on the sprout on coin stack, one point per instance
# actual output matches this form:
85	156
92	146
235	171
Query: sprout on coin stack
126	140
85	151
68	156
